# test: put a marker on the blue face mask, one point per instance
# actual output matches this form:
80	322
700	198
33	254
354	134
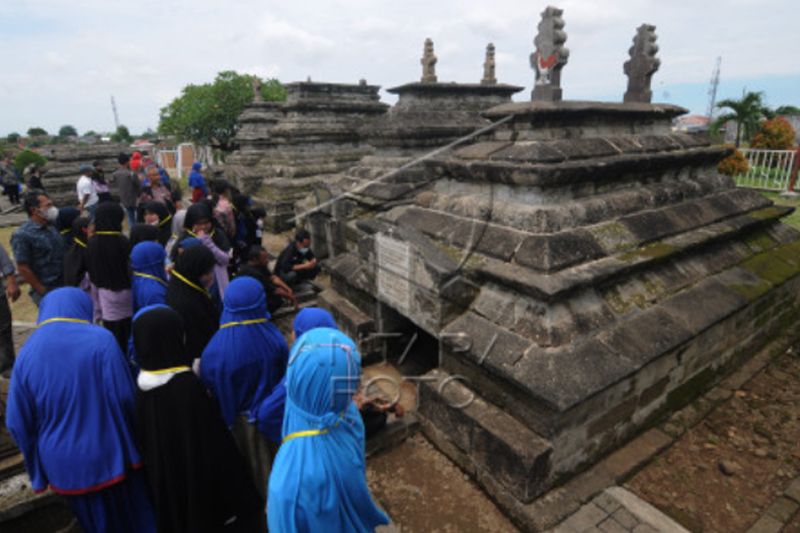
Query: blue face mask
303	250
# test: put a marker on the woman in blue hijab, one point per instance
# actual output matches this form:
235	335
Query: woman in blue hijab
241	365
269	417
318	480
71	411
149	279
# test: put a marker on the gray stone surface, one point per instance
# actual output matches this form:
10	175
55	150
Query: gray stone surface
642	65
489	77
428	62
550	55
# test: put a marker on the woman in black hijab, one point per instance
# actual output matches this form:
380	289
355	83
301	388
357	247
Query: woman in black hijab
66	216
108	253
141	232
187	293
197	478
76	256
157	215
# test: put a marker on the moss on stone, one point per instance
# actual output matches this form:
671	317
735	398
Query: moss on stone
655	250
770	267
771	212
613	237
751	292
759	241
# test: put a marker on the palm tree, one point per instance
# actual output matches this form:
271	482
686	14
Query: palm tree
746	112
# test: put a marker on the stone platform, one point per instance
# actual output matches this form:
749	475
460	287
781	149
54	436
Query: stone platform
287	148
573	277
63	167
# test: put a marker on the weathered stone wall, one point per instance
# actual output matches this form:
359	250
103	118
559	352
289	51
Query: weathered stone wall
584	270
63	165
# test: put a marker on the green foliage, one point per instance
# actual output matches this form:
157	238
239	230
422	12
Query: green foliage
787	110
733	165
67	131
37	132
746	112
91	133
207	114
774	134
13	138
25	158
122	135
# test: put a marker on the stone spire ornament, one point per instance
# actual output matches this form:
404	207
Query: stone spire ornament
642	65
428	62
256	83
550	56
488	67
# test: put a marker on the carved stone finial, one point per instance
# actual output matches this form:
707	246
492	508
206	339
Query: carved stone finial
642	65
362	82
550	55
428	62
256	83
488	67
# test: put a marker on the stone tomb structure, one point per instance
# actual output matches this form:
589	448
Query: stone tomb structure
569	279
286	148
63	167
427	116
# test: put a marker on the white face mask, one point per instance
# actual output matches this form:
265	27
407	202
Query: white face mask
50	214
303	250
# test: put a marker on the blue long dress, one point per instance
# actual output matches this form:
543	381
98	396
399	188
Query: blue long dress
70	410
318	480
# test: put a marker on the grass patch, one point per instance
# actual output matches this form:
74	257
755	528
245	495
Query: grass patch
793	219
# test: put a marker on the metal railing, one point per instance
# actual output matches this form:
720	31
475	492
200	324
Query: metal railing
767	169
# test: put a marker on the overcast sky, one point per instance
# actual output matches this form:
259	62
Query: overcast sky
61	61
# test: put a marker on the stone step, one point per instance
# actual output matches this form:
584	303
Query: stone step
482	439
350	318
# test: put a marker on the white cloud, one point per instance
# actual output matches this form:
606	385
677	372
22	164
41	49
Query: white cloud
68	58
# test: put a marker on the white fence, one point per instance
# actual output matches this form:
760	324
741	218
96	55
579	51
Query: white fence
767	169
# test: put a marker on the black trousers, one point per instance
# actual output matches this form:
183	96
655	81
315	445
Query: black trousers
6	335
296	277
121	330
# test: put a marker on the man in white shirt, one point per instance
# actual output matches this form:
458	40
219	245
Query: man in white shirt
87	196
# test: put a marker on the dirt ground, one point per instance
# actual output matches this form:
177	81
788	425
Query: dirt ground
422	490
722	474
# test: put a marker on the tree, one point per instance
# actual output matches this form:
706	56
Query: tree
122	135
67	131
746	112
207	114
787	110
25	158
37	132
774	134
12	138
90	133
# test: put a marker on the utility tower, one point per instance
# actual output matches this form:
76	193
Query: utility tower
116	116
712	88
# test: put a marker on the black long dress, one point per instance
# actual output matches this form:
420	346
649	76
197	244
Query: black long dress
186	296
198	480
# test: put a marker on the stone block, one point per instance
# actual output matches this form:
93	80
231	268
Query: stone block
703	305
645	336
793	490
484	341
766	524
555	252
782	509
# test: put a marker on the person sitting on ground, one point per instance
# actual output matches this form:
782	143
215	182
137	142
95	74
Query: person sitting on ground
257	266
197	477
241	365
197	182
38	247
71	412
318	480
76	257
296	263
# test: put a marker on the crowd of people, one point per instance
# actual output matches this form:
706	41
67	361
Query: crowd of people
156	393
